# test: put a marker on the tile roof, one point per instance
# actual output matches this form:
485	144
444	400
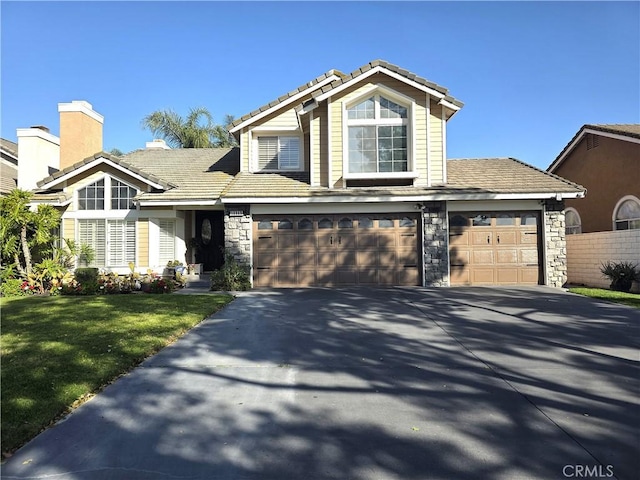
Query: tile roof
505	175
9	146
631	130
345	78
117	160
194	173
393	68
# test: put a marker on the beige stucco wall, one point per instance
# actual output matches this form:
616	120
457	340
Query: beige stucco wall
80	137
586	252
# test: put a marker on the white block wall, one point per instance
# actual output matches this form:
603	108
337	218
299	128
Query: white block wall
587	251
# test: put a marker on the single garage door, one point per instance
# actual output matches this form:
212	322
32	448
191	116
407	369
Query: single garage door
495	248
324	250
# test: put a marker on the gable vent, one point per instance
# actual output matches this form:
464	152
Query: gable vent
592	141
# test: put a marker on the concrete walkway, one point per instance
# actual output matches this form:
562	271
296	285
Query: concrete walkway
397	383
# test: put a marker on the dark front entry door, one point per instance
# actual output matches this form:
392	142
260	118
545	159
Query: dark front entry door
210	237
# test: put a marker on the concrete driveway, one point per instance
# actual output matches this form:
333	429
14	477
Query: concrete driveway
397	383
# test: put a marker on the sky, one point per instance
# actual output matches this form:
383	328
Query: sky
529	73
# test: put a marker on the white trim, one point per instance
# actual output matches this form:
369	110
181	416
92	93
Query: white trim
396	198
380	175
428	122
449	105
386	71
92	164
277	133
266	128
617	136
506	205
444	146
53	203
286	102
311	150
168	203
615	209
82	107
250	150
338	208
107	177
35	132
329	145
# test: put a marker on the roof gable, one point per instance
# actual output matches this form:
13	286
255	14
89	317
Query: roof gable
52	181
629	132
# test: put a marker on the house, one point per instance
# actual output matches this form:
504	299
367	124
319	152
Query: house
342	181
8	166
605	159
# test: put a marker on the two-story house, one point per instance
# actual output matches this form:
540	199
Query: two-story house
342	181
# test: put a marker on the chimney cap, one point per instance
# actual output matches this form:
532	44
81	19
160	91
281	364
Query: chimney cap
41	127
158	143
81	106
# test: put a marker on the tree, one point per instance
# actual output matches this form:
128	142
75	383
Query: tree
25	233
197	130
116	152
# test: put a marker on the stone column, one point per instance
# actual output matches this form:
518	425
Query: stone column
238	236
436	245
555	244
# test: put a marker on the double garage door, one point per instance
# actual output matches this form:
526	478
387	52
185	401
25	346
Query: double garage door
495	248
325	250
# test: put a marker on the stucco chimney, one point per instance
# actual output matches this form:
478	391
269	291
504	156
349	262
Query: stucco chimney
80	132
38	155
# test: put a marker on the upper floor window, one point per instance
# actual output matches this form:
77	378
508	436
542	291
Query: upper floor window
278	153
106	191
627	213
573	223
378	136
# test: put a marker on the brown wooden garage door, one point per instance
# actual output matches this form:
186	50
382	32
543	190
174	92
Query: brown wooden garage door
494	248
324	250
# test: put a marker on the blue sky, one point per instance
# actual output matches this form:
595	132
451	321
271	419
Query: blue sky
530	73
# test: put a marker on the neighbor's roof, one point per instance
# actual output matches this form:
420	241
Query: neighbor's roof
316	90
9	147
629	131
8	177
194	173
505	175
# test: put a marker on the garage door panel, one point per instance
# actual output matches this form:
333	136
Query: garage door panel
494	248
328	250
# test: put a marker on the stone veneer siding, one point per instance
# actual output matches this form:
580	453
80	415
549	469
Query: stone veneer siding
238	234
436	245
555	244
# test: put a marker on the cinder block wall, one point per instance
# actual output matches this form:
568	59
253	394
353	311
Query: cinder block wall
587	251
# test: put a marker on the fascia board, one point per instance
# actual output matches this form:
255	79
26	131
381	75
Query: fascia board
373	71
617	136
408	198
286	102
92	164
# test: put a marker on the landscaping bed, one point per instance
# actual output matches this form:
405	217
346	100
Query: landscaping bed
57	350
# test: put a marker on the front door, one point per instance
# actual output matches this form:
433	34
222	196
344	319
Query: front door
210	238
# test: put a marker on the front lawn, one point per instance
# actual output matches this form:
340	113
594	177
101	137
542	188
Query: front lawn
631	299
56	351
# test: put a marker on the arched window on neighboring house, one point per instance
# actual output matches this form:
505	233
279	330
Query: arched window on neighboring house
572	221
626	215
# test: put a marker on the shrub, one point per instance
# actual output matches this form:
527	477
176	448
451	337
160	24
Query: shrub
233	276
161	285
621	274
14	287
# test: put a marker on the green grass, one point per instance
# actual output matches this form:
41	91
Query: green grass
56	351
631	299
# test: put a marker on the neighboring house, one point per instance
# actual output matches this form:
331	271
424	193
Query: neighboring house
343	181
8	166
605	159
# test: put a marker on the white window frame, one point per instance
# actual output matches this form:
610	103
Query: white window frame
255	138
107	193
614	219
578	226
378	91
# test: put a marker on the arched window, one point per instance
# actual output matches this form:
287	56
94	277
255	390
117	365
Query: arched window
572	222
626	215
378	135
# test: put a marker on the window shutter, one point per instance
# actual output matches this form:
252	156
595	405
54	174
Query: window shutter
289	153
122	242
167	240
268	153
92	233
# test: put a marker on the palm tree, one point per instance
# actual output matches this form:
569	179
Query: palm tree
195	131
